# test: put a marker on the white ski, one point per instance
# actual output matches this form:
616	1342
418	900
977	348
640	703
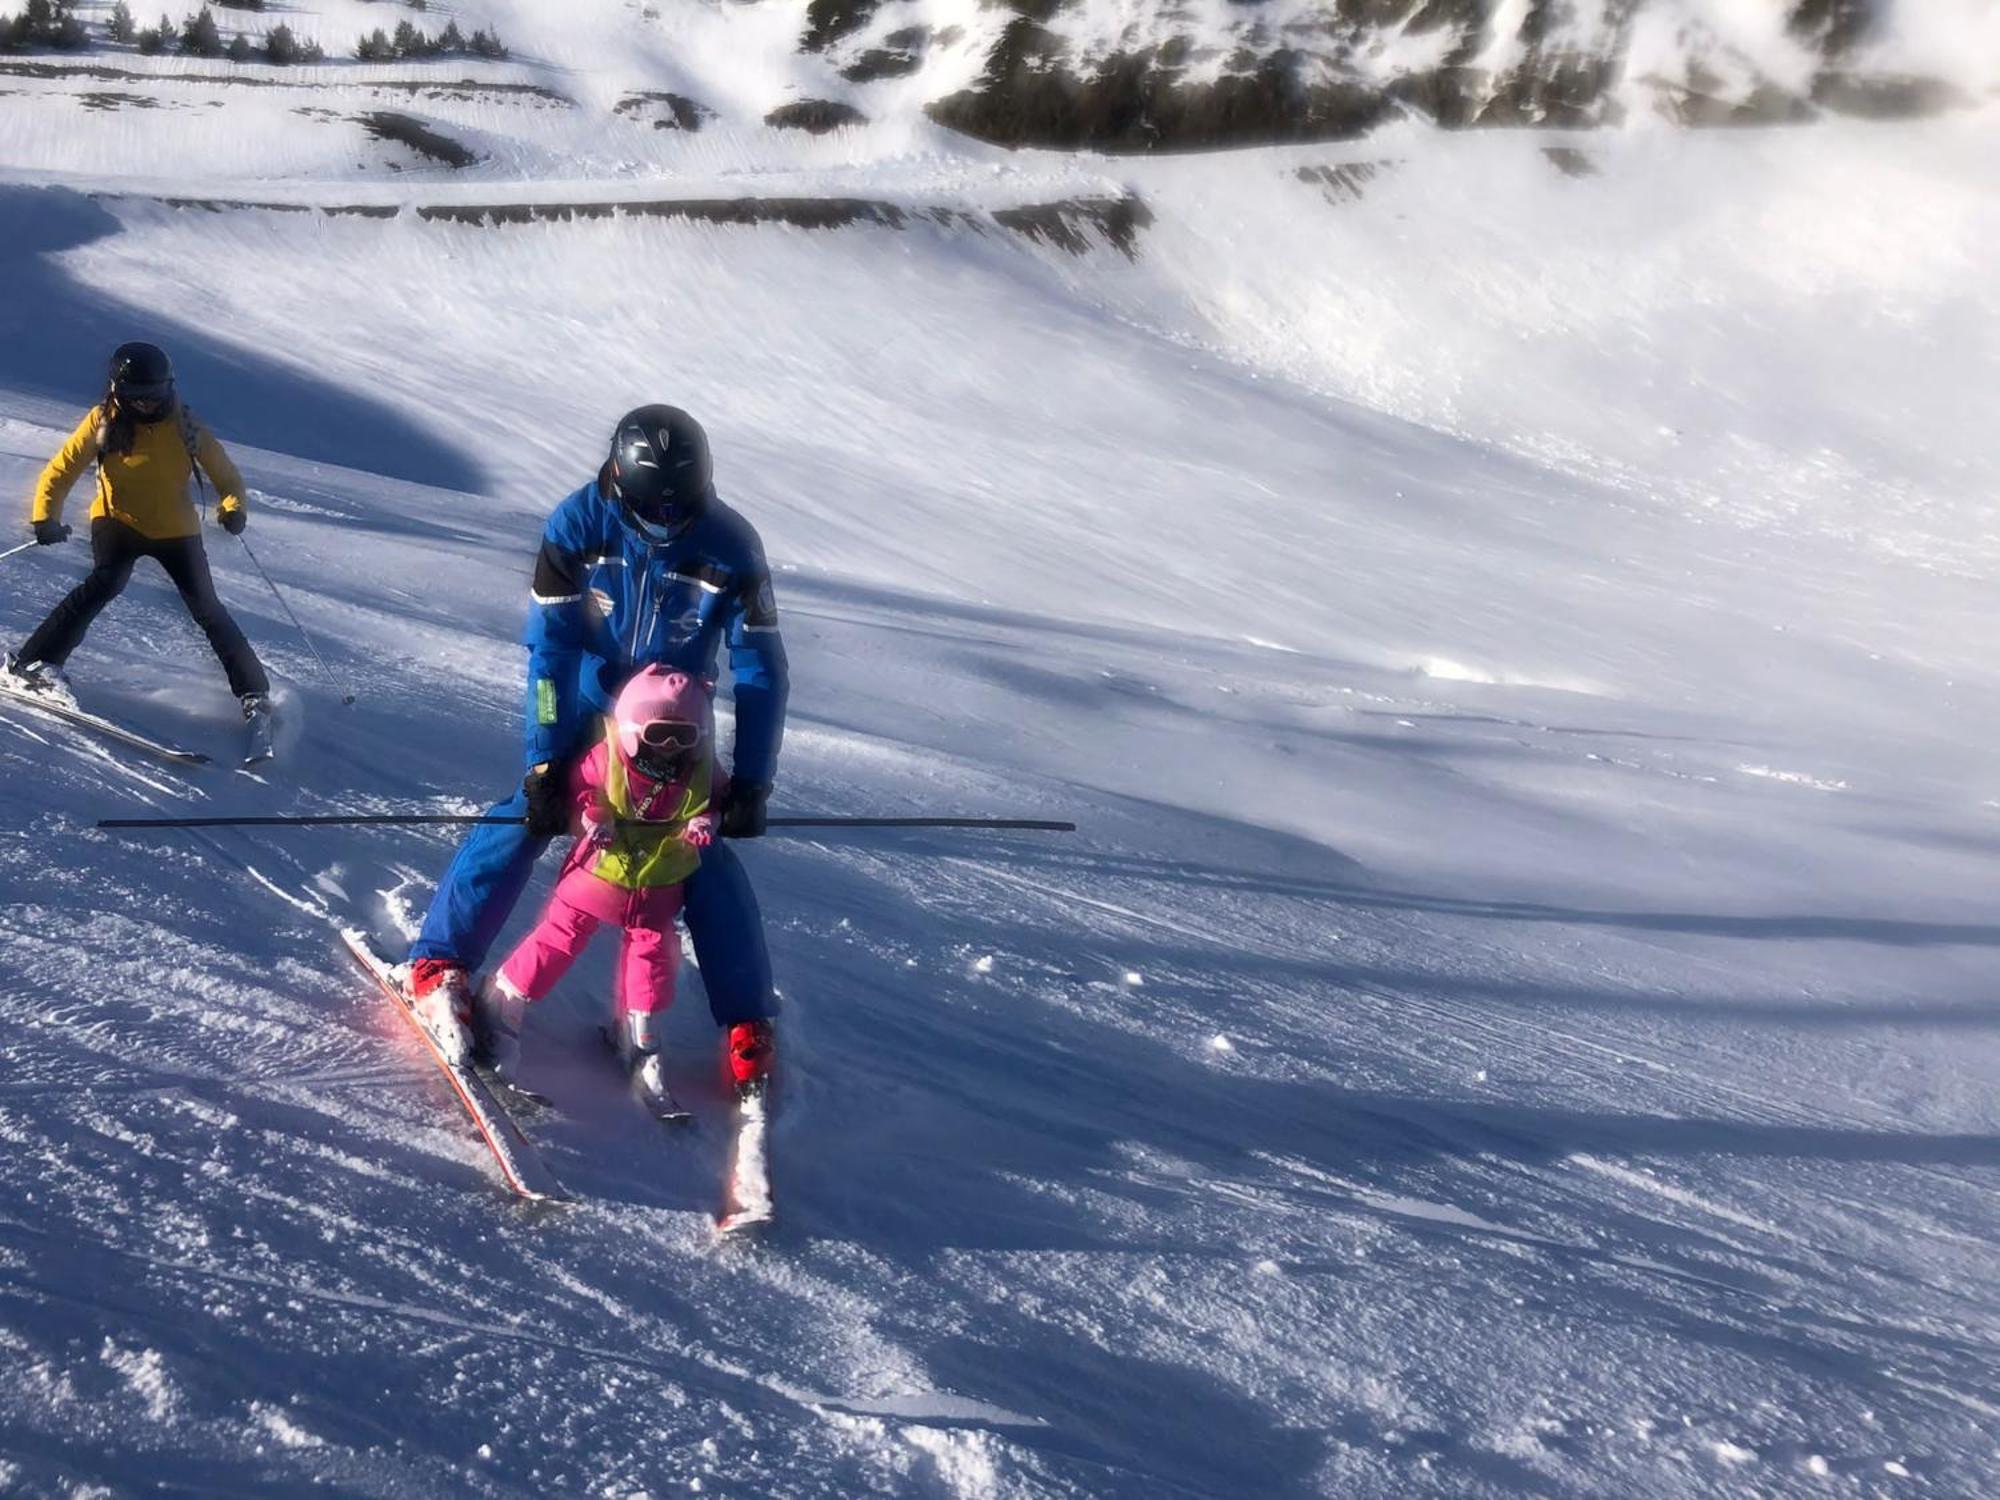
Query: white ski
43	704
747	1206
520	1163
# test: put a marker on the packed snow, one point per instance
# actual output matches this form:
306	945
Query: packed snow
1518	1014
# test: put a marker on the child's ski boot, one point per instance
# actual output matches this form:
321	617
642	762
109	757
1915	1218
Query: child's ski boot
639	1045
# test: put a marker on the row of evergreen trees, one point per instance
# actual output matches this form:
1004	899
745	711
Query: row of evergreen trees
199	36
407	41
54	23
45	23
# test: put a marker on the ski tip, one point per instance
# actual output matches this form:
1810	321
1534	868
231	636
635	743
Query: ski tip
746	1227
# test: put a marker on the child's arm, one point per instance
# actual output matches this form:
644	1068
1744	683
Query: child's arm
590	813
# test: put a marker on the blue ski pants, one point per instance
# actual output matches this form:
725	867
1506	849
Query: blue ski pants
495	863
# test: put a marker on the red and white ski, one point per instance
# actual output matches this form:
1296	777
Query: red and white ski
747	1205
520	1163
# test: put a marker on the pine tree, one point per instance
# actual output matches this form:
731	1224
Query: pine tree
451	39
408	41
200	36
122	27
65	30
375	47
156	39
280	46
488	44
239	50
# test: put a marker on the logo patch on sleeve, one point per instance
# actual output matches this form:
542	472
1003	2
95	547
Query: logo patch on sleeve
545	701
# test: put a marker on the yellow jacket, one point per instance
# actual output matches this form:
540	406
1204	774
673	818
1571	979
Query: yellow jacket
147	489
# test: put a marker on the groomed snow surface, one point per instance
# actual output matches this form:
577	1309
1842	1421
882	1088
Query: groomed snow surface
1517	1018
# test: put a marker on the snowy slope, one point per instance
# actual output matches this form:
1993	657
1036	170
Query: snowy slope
1517	1018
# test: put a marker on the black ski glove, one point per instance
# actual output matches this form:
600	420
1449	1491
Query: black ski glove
543	787
233	521
743	811
48	533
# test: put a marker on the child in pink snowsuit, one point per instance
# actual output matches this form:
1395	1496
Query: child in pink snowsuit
643	799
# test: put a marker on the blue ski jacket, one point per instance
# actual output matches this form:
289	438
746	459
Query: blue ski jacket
607	602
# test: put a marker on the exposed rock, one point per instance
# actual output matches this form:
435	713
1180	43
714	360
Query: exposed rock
901	54
1074	225
1570	162
815	116
1137	102
1312	74
408	130
1346	181
666	111
827	21
1893	98
1067	225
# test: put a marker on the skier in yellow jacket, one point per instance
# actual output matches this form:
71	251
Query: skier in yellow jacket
146	446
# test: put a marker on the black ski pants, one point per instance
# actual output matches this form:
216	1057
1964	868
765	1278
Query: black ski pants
115	550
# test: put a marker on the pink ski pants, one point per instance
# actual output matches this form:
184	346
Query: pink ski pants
580	905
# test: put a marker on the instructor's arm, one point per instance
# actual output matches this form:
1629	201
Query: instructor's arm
762	682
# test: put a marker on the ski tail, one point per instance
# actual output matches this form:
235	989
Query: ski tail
97	724
515	1154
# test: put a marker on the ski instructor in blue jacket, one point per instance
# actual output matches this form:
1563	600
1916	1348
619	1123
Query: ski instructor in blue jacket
642	566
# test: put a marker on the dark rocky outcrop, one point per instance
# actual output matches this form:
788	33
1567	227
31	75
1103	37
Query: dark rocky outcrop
827	21
901	54
1545	64
814	116
1138	102
1076	226
666	111
408	130
1068	225
1346	182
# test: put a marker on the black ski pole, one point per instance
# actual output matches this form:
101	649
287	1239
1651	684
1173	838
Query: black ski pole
411	820
346	698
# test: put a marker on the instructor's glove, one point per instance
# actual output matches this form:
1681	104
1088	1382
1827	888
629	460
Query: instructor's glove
543	789
48	533
234	520
743	811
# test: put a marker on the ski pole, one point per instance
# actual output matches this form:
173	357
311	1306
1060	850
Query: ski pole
325	670
12	550
409	820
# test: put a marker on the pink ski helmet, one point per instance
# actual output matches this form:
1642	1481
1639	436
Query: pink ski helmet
662	719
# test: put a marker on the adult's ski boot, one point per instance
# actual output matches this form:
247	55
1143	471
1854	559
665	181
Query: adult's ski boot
42	678
752	1052
440	996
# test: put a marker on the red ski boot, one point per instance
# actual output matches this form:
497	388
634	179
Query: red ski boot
752	1050
440	996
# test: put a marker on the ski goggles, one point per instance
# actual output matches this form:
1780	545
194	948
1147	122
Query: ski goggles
666	748
147	400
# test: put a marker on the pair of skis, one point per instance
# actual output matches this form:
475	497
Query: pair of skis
259	746
747	1202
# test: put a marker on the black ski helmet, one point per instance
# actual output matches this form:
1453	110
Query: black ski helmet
142	374
659	472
